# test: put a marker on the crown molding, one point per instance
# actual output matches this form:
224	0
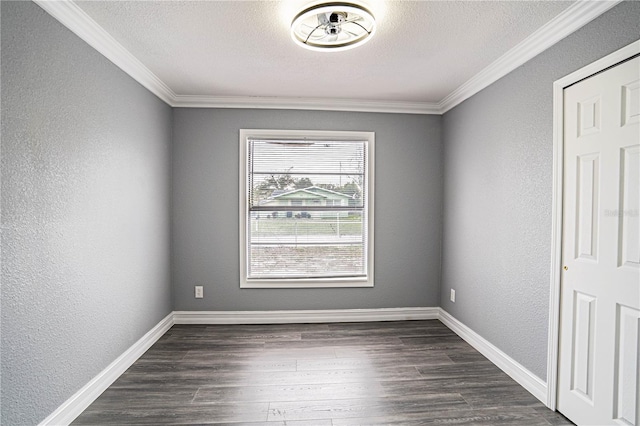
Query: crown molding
570	20
75	19
398	107
567	22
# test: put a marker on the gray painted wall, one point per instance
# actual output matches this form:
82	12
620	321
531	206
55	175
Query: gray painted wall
408	190
85	207
85	213
497	185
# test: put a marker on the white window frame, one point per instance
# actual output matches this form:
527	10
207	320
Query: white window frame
366	281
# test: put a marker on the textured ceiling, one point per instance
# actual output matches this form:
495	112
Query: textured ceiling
423	50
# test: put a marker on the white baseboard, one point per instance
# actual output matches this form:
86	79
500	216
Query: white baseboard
304	316
79	402
75	405
536	386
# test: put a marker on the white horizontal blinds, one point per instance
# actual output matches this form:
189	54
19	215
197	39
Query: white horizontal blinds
306	209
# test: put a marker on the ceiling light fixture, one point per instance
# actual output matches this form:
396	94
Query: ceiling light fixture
331	27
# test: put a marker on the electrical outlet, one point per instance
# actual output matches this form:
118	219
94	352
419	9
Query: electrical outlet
199	292
453	296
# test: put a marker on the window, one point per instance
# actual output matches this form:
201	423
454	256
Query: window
306	207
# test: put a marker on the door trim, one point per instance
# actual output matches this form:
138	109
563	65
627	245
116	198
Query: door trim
608	61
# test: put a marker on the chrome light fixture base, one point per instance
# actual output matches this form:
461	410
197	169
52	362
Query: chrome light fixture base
331	27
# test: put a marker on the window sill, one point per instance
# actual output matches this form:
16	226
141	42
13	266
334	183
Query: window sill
315	283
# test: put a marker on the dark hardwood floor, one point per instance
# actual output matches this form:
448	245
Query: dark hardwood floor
385	373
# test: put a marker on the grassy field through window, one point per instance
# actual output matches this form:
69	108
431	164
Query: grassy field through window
292	260
282	227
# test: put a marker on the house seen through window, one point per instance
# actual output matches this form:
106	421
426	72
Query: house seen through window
307	208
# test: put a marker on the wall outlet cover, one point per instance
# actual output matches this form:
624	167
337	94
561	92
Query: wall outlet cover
199	292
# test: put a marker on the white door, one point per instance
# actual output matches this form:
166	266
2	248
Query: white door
599	367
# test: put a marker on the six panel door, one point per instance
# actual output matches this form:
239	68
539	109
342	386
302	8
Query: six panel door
599	374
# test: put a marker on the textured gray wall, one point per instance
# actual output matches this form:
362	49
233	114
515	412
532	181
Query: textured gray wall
85	213
497	185
85	207
408	190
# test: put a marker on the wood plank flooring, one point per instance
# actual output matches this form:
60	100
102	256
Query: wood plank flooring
339	374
